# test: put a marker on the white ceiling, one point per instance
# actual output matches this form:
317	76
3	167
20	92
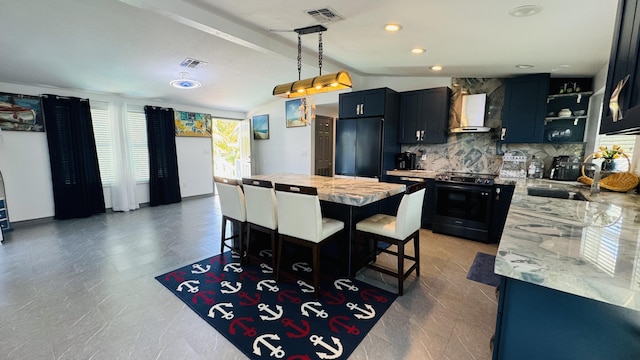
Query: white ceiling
134	47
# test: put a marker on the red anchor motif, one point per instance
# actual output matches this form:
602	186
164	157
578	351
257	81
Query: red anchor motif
250	301
175	275
299	357
251	275
301	331
369	294
337	299
203	295
289	295
248	330
339	320
213	277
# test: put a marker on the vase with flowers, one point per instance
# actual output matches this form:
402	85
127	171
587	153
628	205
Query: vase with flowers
608	156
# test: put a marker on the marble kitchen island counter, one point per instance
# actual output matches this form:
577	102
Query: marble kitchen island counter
344	191
571	276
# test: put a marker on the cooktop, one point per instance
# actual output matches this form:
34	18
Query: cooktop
466	177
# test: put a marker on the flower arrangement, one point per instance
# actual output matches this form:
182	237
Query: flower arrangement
615	153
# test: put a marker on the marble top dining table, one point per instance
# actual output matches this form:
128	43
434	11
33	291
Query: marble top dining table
346	191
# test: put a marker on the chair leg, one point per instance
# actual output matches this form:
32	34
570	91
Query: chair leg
222	235
316	269
248	241
242	229
400	267
416	250
277	269
273	249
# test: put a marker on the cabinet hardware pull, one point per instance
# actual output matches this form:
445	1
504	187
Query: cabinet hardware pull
361	109
422	135
503	134
417	135
614	106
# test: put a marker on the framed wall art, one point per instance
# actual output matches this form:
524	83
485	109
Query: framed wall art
21	112
260	124
296	112
192	124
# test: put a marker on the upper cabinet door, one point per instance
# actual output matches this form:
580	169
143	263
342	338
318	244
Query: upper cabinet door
366	103
349	104
424	116
624	62
435	115
409	129
524	108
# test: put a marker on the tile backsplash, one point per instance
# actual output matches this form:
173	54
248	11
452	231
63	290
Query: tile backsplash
482	153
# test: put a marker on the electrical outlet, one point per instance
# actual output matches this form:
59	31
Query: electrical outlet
424	157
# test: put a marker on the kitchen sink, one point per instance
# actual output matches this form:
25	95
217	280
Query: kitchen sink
556	193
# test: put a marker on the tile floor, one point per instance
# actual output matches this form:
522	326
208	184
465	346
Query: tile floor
85	289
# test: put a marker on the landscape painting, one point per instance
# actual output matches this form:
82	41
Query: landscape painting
192	124
295	112
21	112
260	127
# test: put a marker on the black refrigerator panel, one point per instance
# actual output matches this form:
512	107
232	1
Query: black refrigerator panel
368	147
345	147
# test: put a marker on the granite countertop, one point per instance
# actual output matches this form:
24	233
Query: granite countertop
345	191
586	248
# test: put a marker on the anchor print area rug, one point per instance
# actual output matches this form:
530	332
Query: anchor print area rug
269	320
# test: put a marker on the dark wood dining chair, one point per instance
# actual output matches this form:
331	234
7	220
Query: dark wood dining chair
397	230
262	213
300	222
233	208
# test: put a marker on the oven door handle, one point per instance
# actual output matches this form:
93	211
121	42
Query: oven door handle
486	190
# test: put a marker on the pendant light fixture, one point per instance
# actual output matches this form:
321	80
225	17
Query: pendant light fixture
316	85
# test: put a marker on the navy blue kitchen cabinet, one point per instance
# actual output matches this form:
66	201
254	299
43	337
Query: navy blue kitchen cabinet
535	322
424	116
623	62
365	103
503	193
524	108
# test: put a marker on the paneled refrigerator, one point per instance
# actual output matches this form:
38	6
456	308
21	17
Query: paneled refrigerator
359	147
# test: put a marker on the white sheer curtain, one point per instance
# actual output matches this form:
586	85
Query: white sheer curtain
123	190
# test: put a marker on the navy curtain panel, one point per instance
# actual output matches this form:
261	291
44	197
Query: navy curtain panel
164	184
77	188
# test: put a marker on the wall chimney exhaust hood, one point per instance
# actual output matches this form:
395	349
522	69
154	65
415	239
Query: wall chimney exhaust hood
472	114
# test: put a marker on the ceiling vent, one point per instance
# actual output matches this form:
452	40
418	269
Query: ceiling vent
193	63
324	15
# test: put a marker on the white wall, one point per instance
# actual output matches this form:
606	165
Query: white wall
24	158
288	150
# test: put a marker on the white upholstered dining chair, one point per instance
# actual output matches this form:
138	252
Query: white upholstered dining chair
262	212
300	222
397	230
233	208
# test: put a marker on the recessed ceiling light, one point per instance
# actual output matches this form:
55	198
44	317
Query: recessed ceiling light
393	27
436	68
524	66
418	50
564	65
525	10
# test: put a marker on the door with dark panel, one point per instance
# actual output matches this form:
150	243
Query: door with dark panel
324	145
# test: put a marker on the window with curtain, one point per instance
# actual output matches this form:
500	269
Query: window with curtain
102	130
75	173
103	127
137	124
164	183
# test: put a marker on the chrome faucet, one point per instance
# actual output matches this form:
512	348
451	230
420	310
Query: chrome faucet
595	186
